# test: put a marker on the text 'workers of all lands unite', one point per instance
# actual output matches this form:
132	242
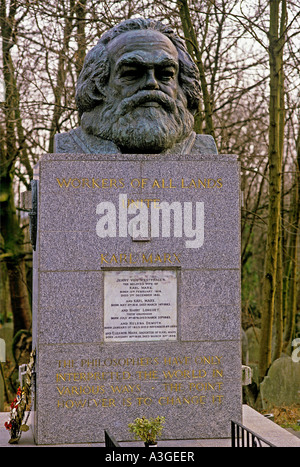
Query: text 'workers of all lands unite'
114	221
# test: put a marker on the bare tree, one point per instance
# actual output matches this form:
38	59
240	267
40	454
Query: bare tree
13	148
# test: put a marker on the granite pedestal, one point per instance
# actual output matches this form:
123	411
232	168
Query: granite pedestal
144	324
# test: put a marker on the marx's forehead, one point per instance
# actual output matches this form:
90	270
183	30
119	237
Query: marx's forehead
140	41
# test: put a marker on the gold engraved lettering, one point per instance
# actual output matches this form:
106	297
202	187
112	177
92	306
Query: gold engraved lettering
123	258
193	400
147	260
205	386
135	183
211	360
144	401
217	399
177	360
63	182
130	258
127	402
182	183
138	203
146	375
91	183
95	183
79	390
163	183
66	363
126	388
155	184
103	259
76	183
186	374
217	373
176	387
85	182
202	183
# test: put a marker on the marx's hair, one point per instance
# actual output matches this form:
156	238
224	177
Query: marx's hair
91	85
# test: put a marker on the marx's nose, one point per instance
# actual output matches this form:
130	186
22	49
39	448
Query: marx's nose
150	80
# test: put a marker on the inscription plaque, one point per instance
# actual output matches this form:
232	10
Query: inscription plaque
140	305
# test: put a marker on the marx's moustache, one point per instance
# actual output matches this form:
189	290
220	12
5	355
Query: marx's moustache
143	97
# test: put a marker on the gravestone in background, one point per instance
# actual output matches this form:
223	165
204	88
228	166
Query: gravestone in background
136	229
280	388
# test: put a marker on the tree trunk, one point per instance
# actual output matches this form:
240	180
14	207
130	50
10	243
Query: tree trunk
59	88
278	336
294	225
193	48
4	286
13	254
276	43
80	12
19	295
278	322
12	238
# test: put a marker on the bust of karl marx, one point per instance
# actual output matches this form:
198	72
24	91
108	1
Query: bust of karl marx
137	93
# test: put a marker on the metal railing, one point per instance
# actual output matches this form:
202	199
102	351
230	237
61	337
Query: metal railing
242	437
110	440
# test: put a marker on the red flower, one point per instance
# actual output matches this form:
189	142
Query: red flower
19	391
7	425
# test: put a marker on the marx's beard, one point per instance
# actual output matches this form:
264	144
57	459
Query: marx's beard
147	122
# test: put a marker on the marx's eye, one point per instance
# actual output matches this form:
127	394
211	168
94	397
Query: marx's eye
165	74
130	73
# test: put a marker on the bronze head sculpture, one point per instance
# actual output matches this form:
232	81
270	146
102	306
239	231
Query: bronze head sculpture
138	92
